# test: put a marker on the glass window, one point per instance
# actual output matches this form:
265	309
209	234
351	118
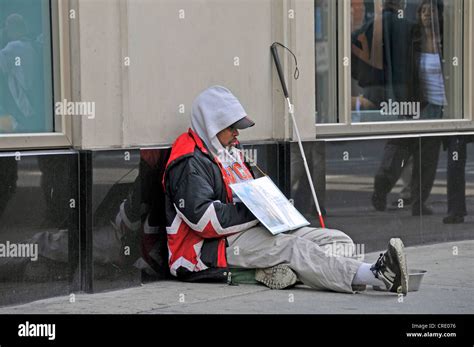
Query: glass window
326	74
406	60
26	94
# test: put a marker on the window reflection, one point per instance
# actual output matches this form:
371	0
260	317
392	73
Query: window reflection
399	69
25	67
325	50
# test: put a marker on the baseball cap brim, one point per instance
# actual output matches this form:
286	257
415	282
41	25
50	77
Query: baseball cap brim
243	123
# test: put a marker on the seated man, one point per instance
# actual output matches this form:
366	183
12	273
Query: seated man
208	230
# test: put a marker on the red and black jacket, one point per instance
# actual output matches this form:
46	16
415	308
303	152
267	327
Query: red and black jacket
200	213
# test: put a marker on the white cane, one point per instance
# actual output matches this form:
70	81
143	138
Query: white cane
274	51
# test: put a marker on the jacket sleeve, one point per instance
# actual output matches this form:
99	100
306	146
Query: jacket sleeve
195	200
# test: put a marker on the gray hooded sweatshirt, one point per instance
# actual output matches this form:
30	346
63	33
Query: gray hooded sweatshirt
215	109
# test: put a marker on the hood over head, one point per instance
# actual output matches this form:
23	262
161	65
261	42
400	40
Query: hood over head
215	109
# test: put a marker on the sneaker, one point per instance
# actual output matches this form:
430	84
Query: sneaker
276	277
391	267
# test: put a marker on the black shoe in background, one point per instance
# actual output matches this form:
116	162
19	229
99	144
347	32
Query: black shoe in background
453	219
379	202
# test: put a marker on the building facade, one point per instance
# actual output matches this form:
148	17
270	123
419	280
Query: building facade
93	94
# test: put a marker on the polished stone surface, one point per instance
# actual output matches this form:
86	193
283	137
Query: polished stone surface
114	173
39	221
40	205
344	176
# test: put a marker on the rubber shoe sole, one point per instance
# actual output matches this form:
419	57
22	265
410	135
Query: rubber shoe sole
397	244
276	277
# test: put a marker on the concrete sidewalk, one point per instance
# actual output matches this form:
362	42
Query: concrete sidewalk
448	288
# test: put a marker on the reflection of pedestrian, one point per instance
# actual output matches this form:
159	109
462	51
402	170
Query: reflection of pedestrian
405	178
20	78
457	155
397	153
429	90
380	55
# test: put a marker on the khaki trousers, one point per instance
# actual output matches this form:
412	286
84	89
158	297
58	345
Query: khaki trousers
314	254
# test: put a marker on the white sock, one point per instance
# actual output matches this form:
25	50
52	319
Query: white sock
367	277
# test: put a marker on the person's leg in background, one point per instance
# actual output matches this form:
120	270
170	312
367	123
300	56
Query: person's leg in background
456	180
405	178
425	163
426	155
395	155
